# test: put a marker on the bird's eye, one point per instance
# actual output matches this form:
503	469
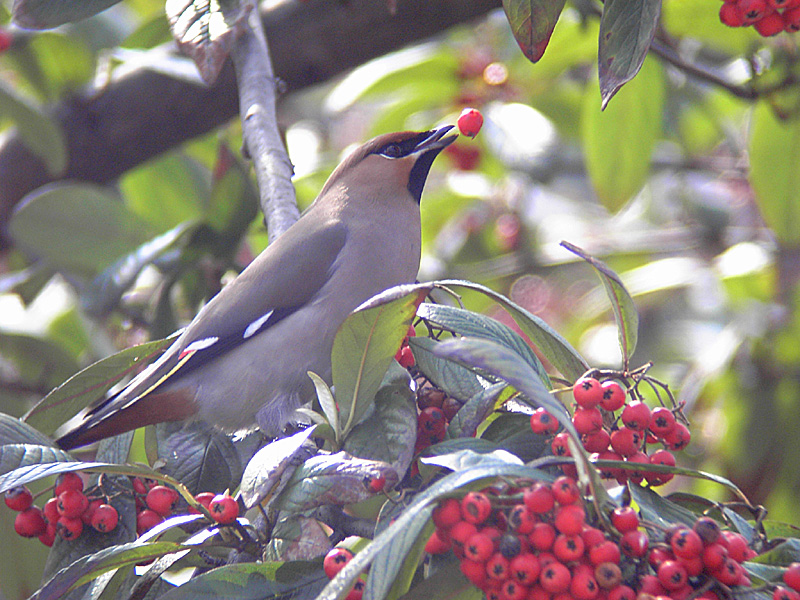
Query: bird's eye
392	151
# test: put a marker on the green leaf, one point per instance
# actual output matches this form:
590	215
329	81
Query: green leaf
414	519
512	431
87	568
626	30
270	469
88	385
618	142
549	342
41	134
365	345
783	554
46	14
532	23
470	324
466	421
774	152
15	431
622	305
336	479
254	581
76	226
388	434
456	381
205	31
15	456
448	584
327	403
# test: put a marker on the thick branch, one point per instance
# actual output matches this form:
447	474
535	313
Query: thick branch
257	106
145	113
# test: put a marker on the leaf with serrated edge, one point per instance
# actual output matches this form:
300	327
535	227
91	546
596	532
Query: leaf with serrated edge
532	23
90	384
205	31
266	469
470	324
365	345
626	30
622	305
549	342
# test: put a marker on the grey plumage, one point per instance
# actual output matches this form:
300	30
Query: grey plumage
243	359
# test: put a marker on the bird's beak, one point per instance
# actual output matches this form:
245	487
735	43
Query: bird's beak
436	140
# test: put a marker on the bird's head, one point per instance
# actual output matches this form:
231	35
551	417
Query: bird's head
394	160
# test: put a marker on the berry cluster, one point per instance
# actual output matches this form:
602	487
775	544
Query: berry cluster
65	514
768	17
72	508
622	436
404	354
791	577
334	561
537	542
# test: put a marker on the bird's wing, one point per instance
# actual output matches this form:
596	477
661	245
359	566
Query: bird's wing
281	280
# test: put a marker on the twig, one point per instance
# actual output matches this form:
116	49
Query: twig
257	99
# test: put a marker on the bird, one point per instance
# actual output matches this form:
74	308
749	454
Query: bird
243	360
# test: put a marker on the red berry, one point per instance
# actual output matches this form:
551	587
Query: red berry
624	519
72	503
621	592
204	499
68	481
737	546
161	499
597	441
432	421
660	457
791	576
782	593
525	568
224	509
146	520
5	42
610	472
608	575
714	557
708	530
19	498
138	486
543	422
475	508
357	592
479	547
437	545
49	535
626	441
513	590
634	543
753	10
570	519
605	552
555	578
335	560
791	19
542	537
584	586
731	15
105	518
430	396
729	573
678	438
539	497
51	511
613	396
568	548
560	444
592	536
405	356
69	528
769	25
30	522
636	416
783	4
587	420
694	566
470	122
672	575
460	534
376	483
662	421
447	514
521	519
637	475
587	392
497	567
565	490
475	571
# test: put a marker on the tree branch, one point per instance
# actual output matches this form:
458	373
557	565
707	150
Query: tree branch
144	113
257	107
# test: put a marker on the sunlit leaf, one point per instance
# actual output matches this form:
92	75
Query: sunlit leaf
532	23
622	305
626	30
205	30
